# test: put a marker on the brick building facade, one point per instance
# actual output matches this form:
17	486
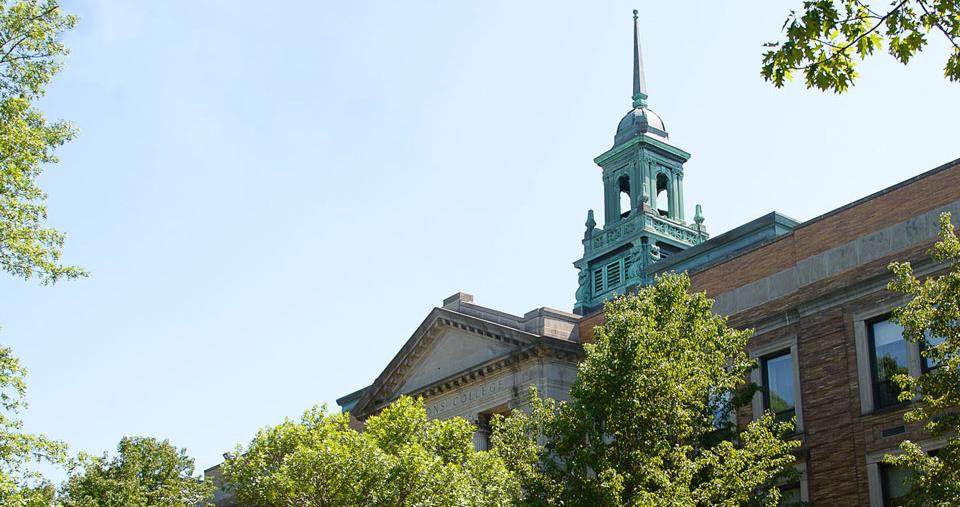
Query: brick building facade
815	295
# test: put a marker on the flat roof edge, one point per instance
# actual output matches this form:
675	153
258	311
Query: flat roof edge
891	188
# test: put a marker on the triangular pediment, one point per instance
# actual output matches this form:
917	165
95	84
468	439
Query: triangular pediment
446	344
453	351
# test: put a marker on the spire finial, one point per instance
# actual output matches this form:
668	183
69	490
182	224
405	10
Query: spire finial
639	80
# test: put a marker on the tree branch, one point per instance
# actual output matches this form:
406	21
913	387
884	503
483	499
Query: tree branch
850	44
38	16
950	38
867	7
827	43
14	46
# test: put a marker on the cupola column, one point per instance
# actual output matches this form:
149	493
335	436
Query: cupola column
611	200
680	196
652	184
672	190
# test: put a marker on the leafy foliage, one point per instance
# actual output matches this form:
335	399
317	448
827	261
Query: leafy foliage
401	459
933	311
826	41
145	472
30	55
650	417
518	440
19	483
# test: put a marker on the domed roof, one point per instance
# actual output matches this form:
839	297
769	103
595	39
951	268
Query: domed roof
640	121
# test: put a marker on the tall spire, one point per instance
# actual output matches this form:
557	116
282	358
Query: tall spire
639	80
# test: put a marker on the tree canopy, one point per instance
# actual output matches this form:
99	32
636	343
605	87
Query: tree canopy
30	55
651	417
145	472
932	319
400	459
20	483
826	41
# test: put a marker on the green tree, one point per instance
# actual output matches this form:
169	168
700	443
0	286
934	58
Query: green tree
145	472
400	459
519	441
20	485
932	319
30	55
649	421
830	37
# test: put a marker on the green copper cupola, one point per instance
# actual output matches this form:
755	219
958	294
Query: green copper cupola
643	214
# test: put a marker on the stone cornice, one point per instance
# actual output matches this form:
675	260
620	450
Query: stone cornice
641	139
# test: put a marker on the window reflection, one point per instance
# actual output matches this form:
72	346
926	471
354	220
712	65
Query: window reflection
895	484
778	387
889	351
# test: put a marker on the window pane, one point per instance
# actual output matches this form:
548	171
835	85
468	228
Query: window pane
894	484
890	353
779	383
790	496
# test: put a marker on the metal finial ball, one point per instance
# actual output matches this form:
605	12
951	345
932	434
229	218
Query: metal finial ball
635	12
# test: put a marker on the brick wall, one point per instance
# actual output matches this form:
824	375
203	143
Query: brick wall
837	437
588	324
913	197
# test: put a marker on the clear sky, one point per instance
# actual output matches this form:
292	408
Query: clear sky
270	198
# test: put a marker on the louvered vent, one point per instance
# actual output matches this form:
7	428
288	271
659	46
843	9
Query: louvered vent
613	274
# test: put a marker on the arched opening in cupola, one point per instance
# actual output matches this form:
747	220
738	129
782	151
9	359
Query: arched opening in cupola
625	202
663	195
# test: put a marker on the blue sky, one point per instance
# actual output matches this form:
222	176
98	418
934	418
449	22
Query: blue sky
271	198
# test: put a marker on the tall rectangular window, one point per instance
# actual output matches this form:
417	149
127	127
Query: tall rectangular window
778	387
894	484
888	351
